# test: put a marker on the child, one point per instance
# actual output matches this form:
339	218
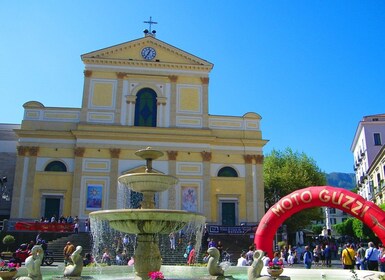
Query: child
290	259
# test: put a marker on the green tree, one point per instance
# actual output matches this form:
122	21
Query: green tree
287	171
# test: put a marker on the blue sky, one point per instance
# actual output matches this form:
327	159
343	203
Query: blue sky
311	69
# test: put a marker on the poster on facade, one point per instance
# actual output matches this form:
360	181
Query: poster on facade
94	197
189	199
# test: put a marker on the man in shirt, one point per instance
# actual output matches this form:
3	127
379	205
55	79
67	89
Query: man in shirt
371	256
348	257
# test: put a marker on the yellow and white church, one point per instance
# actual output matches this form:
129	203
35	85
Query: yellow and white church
138	94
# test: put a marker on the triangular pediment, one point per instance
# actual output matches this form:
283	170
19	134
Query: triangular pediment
130	53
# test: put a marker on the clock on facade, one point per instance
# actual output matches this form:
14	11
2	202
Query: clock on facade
148	53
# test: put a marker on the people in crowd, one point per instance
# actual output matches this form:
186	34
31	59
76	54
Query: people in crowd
76	227
242	260
327	255
212	243
69	248
88	259
191	256
126	240
172	238
307	258
188	249
131	261
291	258
316	255
361	255
87	225
106	258
348	257
266	259
381	258
220	249
371	256
249	255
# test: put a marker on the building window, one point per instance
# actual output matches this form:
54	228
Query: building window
56	166
377	139
332	210
333	221
227	172
145	108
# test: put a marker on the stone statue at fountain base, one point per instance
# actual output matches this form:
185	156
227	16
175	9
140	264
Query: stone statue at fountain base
212	264
75	268
33	263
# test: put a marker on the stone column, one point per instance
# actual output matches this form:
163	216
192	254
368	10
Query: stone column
113	195
86	95
260	187
30	184
173	80
17	197
249	191
172	171
205	101
77	181
206	157
119	97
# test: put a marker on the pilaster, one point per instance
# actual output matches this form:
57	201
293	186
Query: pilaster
17	198
206	157
172	171
30	184
77	181
86	95
113	194
250	188
205	101
119	97
173	80
259	187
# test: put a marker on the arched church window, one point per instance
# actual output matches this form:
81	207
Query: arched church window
56	166
145	108
227	172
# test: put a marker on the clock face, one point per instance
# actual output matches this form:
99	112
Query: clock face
148	53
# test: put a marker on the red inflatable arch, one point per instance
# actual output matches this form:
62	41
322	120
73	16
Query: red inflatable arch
347	201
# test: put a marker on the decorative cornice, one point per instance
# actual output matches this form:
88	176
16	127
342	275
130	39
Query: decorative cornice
172	155
205	80
248	158
22	150
79	151
114	153
147	64
87	73
173	78
121	75
206	156
259	159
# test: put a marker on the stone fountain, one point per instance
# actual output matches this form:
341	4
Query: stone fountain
147	222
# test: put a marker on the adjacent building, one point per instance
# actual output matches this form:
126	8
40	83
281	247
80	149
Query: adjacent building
367	149
140	93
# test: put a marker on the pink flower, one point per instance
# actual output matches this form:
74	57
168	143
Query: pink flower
156	275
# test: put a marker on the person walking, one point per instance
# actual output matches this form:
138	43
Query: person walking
361	255
348	257
307	258
328	256
371	256
69	248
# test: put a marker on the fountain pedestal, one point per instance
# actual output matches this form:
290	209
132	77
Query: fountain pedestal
147	251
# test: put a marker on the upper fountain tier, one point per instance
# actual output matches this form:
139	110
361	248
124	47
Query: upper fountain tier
148	183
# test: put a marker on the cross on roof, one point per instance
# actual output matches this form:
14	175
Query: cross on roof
150	22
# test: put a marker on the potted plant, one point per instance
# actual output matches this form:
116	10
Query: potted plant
275	269
8	240
7	271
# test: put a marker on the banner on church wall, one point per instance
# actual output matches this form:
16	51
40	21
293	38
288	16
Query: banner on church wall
189	199
94	197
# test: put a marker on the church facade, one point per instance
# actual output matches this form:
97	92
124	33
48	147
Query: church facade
138	94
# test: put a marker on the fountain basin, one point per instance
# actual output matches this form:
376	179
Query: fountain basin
148	221
148	182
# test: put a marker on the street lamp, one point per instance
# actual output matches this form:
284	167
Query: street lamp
270	202
3	189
